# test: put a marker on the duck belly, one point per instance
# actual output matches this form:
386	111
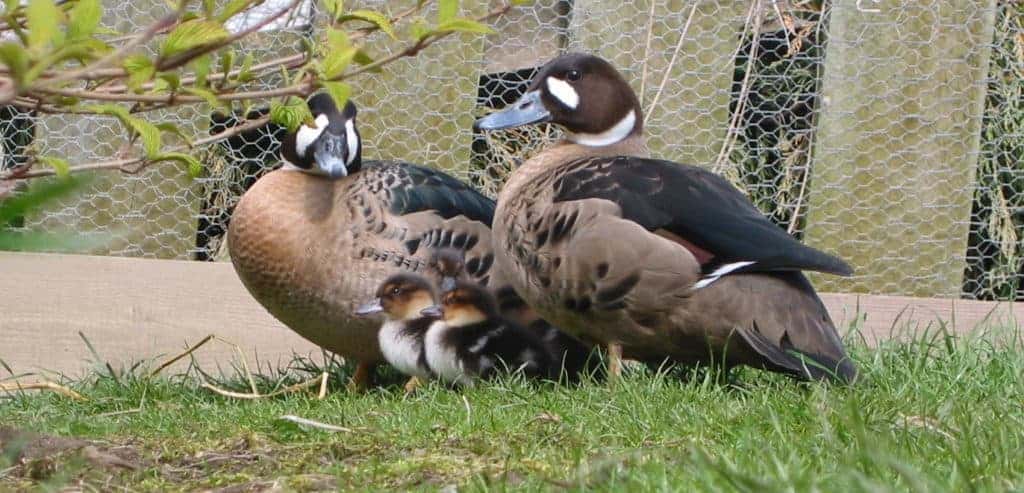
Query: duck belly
305	272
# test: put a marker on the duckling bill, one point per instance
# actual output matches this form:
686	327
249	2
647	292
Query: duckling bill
471	340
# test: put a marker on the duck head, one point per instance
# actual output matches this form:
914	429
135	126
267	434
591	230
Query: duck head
580	92
450	264
400	297
465	304
331	147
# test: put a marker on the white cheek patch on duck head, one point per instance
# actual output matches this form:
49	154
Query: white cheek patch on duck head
307	135
563	92
351	140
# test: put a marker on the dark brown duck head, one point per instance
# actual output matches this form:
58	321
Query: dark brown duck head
331	147
400	297
465	304
450	265
580	92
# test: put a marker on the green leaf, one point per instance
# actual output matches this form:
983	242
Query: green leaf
232	8
140	70
149	134
173	80
201	67
39	193
42	18
375	18
227	62
170	128
522	2
419	29
363	58
290	113
339	92
209	96
14	56
463	26
245	73
446	10
10	6
85	18
334	8
195	168
340	53
60	166
192	34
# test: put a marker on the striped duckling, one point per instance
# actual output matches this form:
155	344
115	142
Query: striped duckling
472	340
658	259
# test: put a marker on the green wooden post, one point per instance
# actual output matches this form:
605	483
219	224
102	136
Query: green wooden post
691	118
898	137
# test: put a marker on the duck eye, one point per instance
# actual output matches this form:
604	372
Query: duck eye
573	75
396	290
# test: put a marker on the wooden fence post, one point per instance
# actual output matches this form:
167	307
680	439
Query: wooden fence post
898	142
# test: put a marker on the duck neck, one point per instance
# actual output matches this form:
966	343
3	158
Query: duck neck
629	126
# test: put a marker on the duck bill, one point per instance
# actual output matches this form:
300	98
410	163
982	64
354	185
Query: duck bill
528	109
432	311
330	164
369	308
447	284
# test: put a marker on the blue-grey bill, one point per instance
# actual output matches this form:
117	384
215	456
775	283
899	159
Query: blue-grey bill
330	154
369	308
447	284
432	311
528	109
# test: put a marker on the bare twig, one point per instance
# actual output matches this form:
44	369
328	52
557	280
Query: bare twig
733	132
42	385
647	53
323	386
239	395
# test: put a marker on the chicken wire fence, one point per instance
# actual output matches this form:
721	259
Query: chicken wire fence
890	133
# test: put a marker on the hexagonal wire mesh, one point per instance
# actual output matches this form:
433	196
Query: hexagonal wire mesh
890	134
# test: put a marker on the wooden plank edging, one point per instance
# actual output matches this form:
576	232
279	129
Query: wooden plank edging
133	309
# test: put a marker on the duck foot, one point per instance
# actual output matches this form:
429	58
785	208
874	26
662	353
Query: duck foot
614	362
413	384
362	377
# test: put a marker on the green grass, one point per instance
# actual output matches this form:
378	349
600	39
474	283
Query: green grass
933	415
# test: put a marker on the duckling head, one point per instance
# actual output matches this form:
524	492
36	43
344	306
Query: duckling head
450	264
465	304
582	93
331	147
400	297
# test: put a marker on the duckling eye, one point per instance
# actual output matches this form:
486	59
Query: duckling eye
573	75
396	290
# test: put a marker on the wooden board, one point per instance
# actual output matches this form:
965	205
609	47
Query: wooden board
135	309
897	145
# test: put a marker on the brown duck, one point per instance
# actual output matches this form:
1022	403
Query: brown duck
664	260
315	239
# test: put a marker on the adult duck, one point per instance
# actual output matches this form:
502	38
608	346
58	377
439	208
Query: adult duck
313	240
650	257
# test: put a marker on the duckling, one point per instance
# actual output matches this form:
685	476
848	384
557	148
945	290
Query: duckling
654	258
315	238
471	340
400	298
572	357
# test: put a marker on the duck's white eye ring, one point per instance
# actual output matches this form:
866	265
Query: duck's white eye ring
573	75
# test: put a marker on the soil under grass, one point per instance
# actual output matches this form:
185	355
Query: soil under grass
931	415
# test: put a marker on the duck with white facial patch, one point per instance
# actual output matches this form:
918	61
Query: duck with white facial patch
471	340
312	240
657	259
401	299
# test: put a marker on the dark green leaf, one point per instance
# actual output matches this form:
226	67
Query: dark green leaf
85	18
192	34
201	67
209	96
173	80
375	18
363	58
193	166
42	18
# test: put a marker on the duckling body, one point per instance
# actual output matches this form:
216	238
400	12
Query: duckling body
401	298
310	245
666	259
471	340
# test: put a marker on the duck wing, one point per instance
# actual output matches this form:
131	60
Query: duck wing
699	209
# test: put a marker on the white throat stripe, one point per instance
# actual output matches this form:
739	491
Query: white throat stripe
352	140
615	134
307	135
564	92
